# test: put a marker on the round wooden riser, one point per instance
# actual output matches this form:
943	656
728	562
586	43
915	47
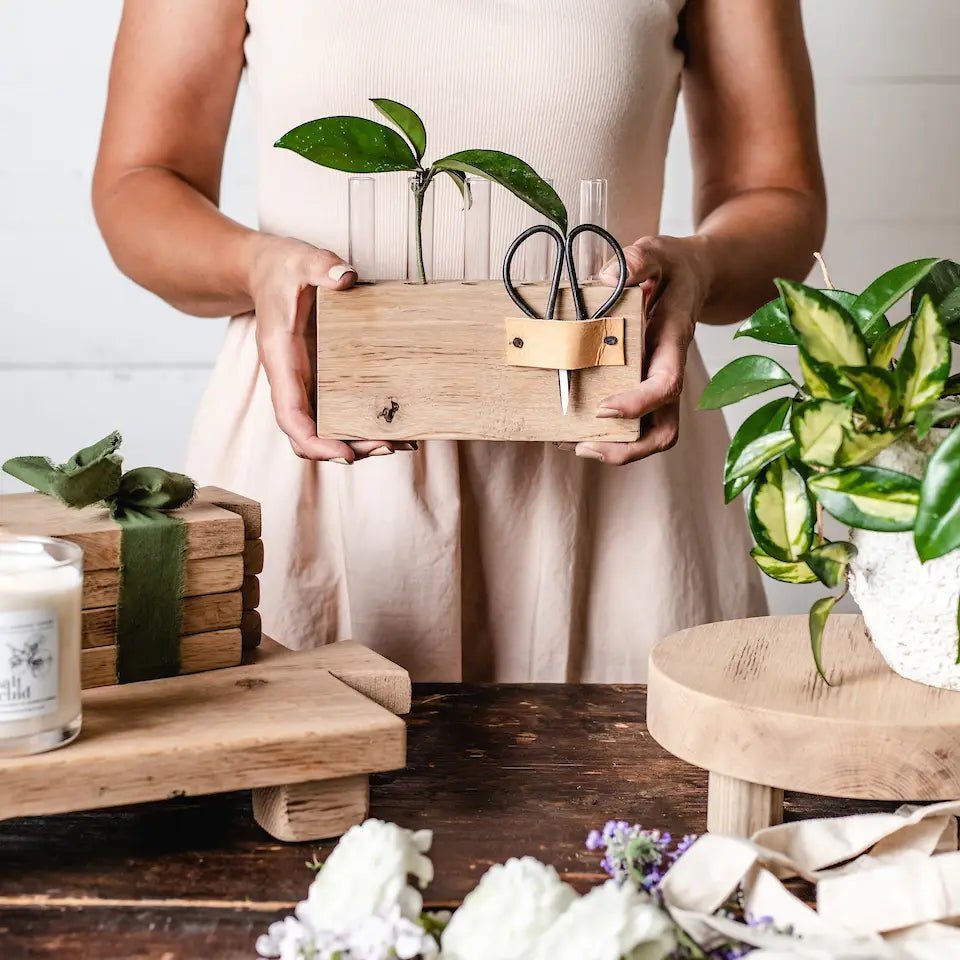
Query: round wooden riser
742	700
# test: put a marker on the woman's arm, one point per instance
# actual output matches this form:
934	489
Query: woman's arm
758	199
174	79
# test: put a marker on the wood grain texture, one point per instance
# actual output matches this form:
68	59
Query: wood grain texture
215	611
742	698
211	531
200	577
739	809
200	651
505	770
248	510
316	809
403	361
286	720
253	557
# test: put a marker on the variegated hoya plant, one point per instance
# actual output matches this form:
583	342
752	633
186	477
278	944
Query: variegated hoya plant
866	382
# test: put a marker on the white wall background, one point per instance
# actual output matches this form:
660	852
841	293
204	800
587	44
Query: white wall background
84	351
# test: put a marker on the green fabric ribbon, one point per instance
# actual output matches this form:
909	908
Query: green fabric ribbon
153	545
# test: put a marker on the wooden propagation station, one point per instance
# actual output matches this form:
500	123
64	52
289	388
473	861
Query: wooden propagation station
742	700
458	361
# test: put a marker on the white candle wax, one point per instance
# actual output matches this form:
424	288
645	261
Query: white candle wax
41	584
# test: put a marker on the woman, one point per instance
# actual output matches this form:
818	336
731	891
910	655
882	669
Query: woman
480	561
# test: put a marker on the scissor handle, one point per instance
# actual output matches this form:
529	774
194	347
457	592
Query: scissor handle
611	240
554	291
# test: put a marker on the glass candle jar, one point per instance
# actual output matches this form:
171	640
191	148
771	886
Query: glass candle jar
41	582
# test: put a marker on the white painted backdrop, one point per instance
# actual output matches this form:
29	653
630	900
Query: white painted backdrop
83	350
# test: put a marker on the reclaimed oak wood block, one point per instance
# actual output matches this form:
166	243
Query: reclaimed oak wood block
200	651
215	611
210	530
252	557
101	588
248	510
401	361
742	700
250	590
251	629
291	718
315	810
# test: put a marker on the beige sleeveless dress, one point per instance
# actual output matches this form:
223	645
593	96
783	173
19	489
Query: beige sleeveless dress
471	560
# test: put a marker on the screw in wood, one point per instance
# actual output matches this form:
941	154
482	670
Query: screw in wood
610	341
517	342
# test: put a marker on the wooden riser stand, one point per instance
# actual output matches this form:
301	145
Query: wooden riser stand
302	730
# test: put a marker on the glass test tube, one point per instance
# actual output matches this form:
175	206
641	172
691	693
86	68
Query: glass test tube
592	252
426	227
476	231
361	207
537	254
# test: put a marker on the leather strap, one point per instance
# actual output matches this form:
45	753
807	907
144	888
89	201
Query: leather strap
564	344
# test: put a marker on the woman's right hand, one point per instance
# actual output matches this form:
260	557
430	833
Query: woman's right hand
285	277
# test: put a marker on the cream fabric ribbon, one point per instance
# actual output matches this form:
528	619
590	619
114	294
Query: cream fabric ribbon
887	886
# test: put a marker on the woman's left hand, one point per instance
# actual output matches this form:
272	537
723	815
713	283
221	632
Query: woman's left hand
675	277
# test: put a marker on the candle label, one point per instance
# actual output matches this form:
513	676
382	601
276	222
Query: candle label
29	675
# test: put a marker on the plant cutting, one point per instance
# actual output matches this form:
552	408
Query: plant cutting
359	145
869	435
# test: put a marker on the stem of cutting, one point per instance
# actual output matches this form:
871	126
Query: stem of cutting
421	183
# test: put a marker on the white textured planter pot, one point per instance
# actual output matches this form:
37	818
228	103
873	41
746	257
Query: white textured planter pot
909	608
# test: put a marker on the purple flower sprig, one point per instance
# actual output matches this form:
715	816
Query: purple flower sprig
638	855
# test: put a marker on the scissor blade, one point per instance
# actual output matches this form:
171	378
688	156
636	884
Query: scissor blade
564	376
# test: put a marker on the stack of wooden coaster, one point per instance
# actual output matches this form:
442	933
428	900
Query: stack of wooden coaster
224	555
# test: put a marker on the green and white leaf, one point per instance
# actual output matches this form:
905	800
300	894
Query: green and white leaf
829	561
758	453
942	285
818	620
823	327
353	144
877	392
741	378
770	417
885	349
858	447
937	529
821	380
869	498
818	427
787	571
772	325
884	292
407	120
933	413
925	365
781	512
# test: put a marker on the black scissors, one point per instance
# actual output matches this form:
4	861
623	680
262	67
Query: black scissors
564	256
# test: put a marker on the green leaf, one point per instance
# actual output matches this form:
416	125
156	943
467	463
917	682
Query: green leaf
781	512
409	123
36	472
858	448
952	387
823	326
741	378
829	561
937	530
869	498
510	172
769	418
820	379
925	364
771	324
784	570
884	292
818	427
931	414
460	179
942	285
818	620
352	144
887	344
758	453
877	392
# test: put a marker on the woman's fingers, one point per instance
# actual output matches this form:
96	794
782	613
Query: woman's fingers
644	263
331	272
661	433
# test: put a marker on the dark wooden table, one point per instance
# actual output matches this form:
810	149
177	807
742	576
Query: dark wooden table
494	771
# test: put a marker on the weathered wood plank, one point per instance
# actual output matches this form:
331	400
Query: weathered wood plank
402	361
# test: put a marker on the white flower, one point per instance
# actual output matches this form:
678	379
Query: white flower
502	917
375	937
366	876
609	923
289	939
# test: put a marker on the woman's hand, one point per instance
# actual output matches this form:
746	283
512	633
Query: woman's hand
675	276
286	276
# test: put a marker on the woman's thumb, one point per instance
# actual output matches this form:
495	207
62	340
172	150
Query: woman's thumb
332	273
